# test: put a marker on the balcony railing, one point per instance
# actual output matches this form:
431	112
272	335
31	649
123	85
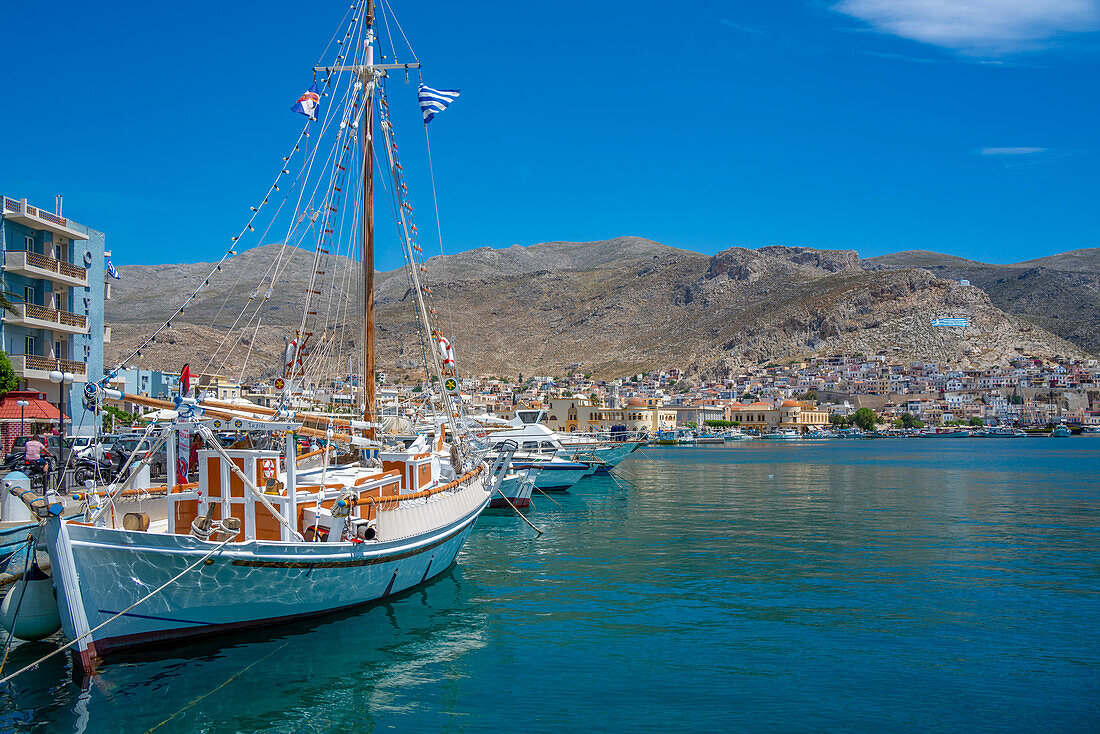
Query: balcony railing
32	216
33	264
11	205
56	266
35	315
24	362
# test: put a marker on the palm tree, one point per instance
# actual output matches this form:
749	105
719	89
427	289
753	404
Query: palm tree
5	304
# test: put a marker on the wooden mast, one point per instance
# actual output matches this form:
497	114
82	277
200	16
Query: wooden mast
367	74
367	378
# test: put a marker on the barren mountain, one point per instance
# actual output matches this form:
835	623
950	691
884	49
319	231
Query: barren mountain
1060	293
615	307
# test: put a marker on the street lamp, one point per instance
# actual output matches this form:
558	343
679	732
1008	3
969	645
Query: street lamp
63	379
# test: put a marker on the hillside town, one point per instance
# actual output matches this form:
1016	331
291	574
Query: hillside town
810	394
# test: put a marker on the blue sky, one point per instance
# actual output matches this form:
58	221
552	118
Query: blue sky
876	125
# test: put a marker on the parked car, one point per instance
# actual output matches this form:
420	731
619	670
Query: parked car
16	458
122	449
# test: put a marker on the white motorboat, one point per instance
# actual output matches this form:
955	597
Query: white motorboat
561	460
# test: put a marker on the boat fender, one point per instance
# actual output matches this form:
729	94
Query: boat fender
34	597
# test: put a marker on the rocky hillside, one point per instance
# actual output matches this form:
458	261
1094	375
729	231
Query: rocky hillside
616	307
1059	293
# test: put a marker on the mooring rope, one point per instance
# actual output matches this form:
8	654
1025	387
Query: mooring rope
100	626
220	686
26	580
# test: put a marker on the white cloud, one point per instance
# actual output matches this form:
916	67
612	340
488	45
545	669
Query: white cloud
1012	151
978	27
736	26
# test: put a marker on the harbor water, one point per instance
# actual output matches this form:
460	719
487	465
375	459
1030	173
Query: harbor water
889	585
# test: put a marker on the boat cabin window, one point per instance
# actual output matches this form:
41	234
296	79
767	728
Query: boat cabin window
530	445
528	417
546	447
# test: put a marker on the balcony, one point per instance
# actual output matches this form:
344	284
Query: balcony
35	218
38	317
34	265
33	367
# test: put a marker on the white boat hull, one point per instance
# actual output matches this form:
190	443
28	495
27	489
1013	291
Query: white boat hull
515	491
558	479
608	456
103	571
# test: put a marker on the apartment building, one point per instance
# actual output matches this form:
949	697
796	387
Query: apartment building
54	274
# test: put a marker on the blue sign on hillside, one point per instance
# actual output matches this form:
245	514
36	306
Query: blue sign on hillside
953	321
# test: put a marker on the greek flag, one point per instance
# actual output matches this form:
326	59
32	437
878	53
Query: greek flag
111	270
434	101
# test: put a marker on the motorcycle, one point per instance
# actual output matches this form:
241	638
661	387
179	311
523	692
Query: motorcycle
38	472
98	469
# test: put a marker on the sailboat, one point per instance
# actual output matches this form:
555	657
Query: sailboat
265	535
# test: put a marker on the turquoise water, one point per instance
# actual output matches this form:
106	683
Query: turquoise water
900	585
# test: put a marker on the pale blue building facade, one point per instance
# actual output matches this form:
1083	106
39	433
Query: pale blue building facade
150	383
54	274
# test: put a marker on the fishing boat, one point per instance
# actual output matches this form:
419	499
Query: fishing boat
552	473
17	525
1061	431
515	489
943	433
786	434
267	535
672	436
850	433
1001	432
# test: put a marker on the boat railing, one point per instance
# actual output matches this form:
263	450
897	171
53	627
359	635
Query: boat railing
393	501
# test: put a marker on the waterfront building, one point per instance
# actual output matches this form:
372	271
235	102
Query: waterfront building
798	415
570	415
698	415
54	273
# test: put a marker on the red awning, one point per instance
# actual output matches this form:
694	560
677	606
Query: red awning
38	408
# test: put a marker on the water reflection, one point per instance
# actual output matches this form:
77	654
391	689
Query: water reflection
338	670
843	585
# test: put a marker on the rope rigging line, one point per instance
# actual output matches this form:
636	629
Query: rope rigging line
354	103
101	625
248	227
410	238
398	24
439	232
282	260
